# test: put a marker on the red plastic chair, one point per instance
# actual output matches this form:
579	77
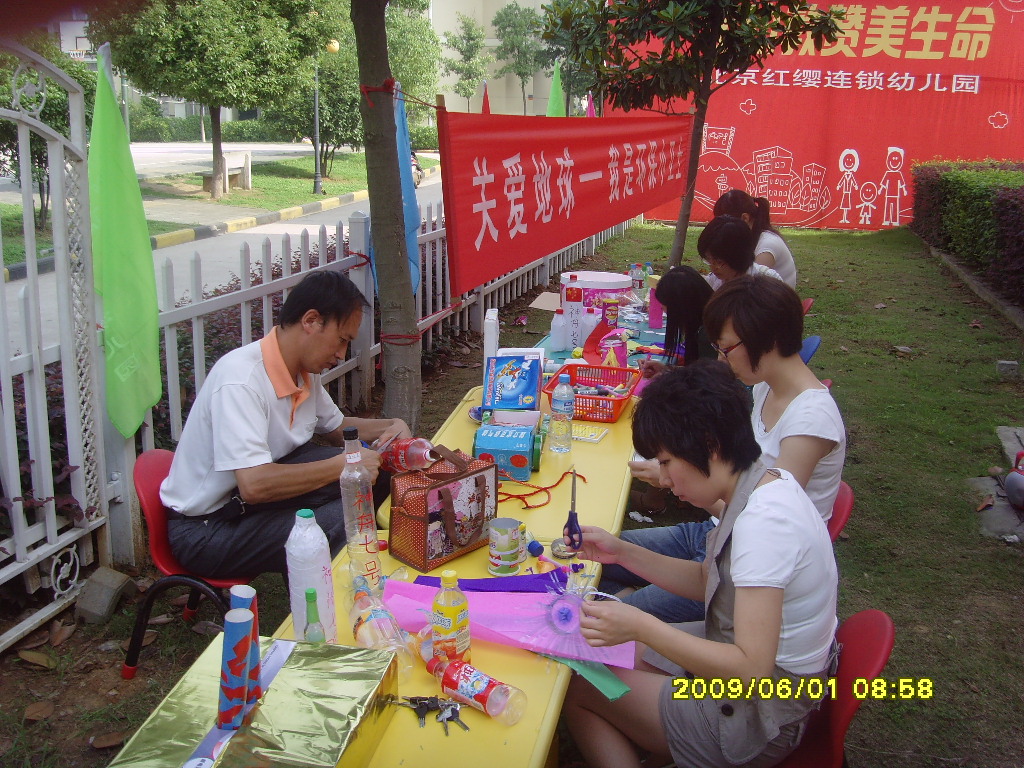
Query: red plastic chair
867	638
807	304
150	470
841	510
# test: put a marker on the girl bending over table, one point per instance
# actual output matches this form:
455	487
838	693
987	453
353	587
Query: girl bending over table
769	582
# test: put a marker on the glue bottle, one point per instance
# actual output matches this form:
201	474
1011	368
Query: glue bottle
467	684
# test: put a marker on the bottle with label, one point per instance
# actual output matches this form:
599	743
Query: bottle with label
405	454
573	306
360	516
467	684
374	626
637	278
308	558
314	631
559	339
563	406
449	620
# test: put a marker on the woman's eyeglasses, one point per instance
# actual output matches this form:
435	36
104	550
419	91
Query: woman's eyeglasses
724	351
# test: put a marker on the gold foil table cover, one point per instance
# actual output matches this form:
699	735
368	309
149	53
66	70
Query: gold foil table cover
327	702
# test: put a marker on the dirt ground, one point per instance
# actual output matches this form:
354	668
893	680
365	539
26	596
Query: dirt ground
93	709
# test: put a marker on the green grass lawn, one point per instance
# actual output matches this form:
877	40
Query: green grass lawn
919	425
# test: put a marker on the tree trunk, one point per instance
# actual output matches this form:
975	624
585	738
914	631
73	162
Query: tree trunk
217	180
522	88
43	217
679	241
394	286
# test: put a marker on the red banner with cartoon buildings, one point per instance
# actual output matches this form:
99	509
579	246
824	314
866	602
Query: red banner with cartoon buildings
519	188
829	136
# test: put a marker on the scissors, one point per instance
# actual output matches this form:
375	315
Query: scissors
572	525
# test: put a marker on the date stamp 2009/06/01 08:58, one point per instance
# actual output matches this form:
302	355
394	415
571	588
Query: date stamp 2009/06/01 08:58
903	688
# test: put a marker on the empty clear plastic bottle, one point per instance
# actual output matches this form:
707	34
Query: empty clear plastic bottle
449	620
314	631
467	684
563	405
374	626
360	516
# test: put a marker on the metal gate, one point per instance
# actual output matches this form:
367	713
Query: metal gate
53	505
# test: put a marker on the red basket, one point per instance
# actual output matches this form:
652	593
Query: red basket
606	408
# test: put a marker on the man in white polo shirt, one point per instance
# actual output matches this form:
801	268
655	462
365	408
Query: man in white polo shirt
245	462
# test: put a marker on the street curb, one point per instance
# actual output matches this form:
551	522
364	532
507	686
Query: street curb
180	236
1007	310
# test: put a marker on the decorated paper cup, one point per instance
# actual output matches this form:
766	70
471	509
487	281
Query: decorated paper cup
504	547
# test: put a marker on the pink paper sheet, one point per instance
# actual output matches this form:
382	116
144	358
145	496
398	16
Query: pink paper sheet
519	619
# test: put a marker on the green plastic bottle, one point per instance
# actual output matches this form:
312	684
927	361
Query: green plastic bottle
314	631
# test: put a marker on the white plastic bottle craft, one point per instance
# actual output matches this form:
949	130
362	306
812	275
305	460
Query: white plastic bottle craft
559	340
308	557
374	626
360	516
563	405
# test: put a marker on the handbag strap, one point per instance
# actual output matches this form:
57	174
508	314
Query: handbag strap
448	513
447	453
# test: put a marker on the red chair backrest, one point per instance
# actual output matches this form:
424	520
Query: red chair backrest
807	304
867	638
841	510
150	470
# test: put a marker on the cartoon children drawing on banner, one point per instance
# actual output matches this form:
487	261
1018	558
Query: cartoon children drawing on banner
868	193
849	163
893	186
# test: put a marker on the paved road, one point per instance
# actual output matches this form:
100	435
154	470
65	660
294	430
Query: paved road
219	257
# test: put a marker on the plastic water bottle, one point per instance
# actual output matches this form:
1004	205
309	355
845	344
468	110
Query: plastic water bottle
637	278
449	620
308	556
360	517
559	339
374	626
467	684
648	272
314	631
563	405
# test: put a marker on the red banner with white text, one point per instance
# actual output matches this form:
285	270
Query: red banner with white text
519	188
829	137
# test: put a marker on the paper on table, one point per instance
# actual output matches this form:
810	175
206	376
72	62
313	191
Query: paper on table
547	300
518	619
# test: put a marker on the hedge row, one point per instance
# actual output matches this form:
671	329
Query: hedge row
976	212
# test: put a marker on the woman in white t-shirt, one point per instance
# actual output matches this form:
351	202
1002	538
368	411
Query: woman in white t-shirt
771	250
727	245
770	583
756	325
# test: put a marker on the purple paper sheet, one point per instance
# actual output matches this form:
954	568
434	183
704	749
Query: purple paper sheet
533	582
519	619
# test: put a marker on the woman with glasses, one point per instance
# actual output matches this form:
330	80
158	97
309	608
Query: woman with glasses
702	694
771	250
726	244
756	323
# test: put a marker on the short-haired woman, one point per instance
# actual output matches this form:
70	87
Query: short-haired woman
770	587
757	326
771	250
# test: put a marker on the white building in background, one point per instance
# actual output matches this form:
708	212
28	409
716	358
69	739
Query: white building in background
504	92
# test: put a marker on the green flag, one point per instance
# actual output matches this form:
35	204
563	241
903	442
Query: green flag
122	267
556	99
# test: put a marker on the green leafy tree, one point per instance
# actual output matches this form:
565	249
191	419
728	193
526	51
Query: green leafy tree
221	53
655	55
54	113
402	396
414	53
520	47
470	65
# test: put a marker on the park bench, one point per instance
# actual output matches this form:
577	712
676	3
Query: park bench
238	172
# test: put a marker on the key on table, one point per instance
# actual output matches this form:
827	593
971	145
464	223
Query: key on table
442	718
453	715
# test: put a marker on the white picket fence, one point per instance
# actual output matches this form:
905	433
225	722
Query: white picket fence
441	314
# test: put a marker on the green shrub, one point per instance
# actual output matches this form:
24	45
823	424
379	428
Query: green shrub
1007	270
187	128
251	130
423	137
968	225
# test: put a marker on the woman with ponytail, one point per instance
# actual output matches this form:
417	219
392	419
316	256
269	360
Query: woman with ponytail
771	250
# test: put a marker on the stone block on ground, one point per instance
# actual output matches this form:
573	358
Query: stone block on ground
1012	439
1001	519
99	597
